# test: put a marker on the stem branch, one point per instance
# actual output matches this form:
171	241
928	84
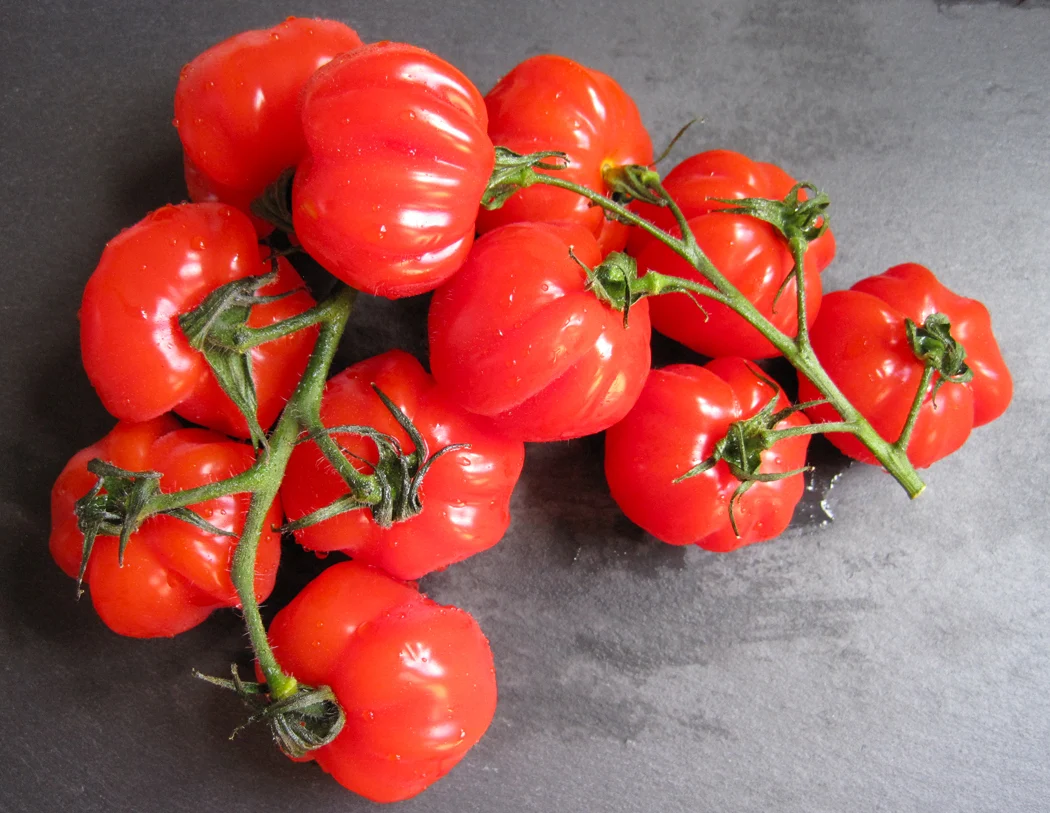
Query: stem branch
796	350
266	479
916	406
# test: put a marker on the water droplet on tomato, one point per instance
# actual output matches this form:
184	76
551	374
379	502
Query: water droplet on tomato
408	115
321	554
274	35
175	122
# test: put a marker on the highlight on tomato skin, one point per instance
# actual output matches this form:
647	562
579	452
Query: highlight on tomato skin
236	107
174	574
397	160
465	493
517	337
415	679
681	414
863	329
550	102
751	254
134	352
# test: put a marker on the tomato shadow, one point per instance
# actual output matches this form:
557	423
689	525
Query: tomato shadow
154	180
59	416
565	503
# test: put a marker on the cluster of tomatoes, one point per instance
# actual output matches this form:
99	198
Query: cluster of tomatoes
392	150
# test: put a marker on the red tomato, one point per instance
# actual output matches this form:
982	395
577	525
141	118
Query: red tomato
698	182
414	679
134	351
753	255
861	342
237	107
174	574
466	492
682	413
517	337
397	160
552	103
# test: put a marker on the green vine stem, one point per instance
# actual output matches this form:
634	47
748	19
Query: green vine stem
797	350
270	471
263	479
913	412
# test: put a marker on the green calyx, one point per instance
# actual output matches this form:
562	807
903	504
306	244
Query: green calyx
400	474
513	172
633	182
117	505
935	347
800	220
302	719
218	328
742	447
616	283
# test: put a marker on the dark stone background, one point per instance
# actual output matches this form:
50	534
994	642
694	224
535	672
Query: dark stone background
896	659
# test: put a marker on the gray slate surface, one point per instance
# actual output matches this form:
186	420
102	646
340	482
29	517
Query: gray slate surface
896	660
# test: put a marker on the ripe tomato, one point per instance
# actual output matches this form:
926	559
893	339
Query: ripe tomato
682	413
466	492
751	254
699	181
552	103
414	679
237	107
174	574
134	351
516	336
861	342
397	160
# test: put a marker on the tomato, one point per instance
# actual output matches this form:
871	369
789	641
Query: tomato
396	163
174	574
699	181
465	493
752	254
134	351
237	107
414	679
552	103
860	339
517	337
682	413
